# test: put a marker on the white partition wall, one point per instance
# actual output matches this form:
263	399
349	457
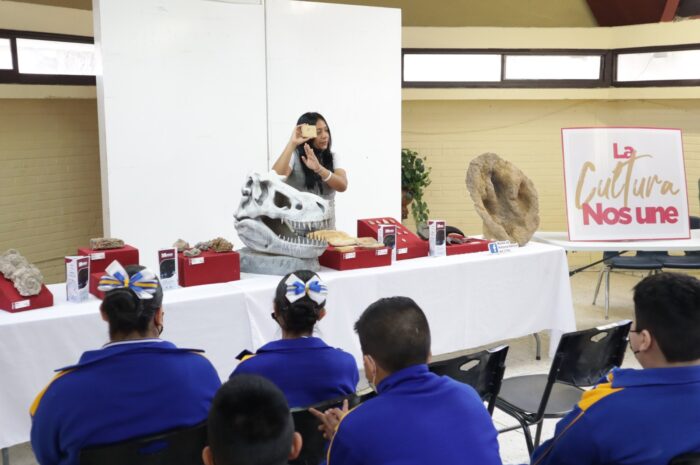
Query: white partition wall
188	105
343	61
182	116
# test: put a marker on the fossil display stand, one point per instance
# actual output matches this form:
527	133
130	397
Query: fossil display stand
100	259
358	258
208	268
408	245
11	300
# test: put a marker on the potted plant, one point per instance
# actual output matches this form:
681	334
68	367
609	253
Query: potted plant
415	177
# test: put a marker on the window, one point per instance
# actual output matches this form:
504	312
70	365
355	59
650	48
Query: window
451	67
39	58
553	67
661	65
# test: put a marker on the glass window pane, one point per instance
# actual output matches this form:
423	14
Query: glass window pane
451	68
51	57
5	54
658	66
553	67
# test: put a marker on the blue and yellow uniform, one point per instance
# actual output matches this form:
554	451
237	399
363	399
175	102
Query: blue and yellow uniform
124	390
306	369
635	417
418	418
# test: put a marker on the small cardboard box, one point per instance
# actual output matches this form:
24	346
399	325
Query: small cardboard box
77	278
167	268
100	259
209	268
359	258
11	300
437	238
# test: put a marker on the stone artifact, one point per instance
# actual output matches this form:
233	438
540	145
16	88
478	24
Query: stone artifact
181	245
504	198
193	252
26	277
220	245
275	218
369	243
102	243
203	245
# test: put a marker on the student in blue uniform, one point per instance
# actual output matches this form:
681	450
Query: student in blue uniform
648	416
250	424
136	385
418	417
304	367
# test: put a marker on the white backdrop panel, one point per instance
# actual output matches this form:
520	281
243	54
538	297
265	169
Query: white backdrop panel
344	62
182	116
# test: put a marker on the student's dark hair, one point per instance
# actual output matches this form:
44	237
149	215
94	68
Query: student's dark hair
301	316
395	332
126	313
250	423
668	306
325	157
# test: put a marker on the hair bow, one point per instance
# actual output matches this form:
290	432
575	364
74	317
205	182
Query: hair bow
144	283
314	288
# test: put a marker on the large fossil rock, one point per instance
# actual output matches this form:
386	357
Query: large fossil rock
26	277
504	198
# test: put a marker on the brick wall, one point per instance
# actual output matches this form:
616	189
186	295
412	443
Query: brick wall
50	200
452	133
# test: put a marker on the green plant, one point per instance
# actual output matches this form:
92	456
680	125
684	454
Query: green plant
415	177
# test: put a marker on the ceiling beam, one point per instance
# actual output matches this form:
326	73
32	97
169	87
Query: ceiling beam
626	12
670	10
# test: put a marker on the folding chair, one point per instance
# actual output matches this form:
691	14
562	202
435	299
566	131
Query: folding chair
690	260
581	360
482	370
178	447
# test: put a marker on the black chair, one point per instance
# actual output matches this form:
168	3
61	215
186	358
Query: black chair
178	447
483	371
686	459
581	360
641	261
690	260
313	447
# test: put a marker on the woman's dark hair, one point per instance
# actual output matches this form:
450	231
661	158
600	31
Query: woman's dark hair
325	157
301	316
127	313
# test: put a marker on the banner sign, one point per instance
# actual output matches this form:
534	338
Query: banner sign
625	184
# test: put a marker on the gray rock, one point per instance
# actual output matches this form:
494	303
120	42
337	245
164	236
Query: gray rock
26	277
262	263
102	243
193	252
181	245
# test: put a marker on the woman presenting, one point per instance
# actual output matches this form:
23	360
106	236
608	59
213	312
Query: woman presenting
309	164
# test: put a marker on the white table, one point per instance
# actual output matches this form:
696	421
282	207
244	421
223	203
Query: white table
561	239
470	300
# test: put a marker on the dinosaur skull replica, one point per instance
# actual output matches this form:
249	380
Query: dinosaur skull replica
275	218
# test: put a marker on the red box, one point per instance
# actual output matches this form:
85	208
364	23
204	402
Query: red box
408	245
13	302
94	281
208	268
359	258
100	259
474	245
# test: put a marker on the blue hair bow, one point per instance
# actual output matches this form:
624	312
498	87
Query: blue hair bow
314	288
144	283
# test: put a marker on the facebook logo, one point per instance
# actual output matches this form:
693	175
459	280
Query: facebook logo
493	247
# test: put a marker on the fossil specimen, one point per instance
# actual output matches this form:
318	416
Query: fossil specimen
221	245
193	252
181	245
102	243
26	277
504	198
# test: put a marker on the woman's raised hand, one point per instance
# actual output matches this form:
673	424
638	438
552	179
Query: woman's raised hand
310	159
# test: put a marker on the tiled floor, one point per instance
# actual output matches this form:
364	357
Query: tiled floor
521	357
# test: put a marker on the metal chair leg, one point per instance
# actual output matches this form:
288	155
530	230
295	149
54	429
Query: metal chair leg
538	347
5	456
597	287
538	433
607	292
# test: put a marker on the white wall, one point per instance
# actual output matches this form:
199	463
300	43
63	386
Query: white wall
343	61
186	104
182	116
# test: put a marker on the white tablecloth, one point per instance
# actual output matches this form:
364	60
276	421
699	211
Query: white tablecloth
470	300
561	239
